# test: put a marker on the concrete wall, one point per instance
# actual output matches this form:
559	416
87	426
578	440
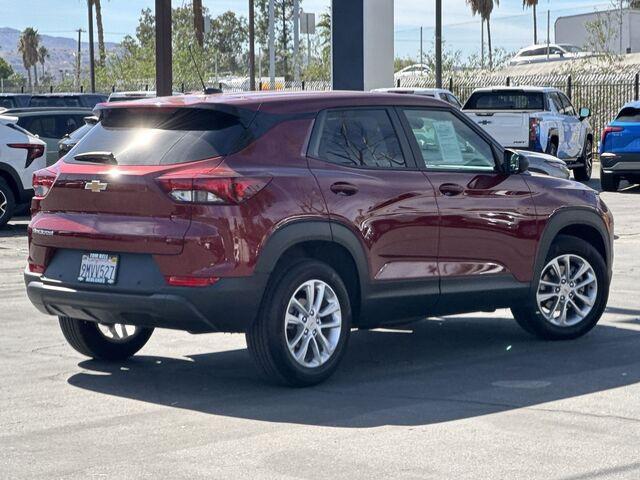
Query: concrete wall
574	29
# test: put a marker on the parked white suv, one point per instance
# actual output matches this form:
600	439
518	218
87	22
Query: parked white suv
556	52
21	154
536	119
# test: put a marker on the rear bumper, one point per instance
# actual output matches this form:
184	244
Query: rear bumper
620	162
228	306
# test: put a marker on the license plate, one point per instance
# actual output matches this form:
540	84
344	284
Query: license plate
100	268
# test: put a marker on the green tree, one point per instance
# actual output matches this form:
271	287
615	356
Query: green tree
228	37
102	53
484	8
43	56
283	30
5	69
28	49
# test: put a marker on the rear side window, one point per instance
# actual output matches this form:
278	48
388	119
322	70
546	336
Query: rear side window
7	102
165	136
505	100
360	138
629	114
44	126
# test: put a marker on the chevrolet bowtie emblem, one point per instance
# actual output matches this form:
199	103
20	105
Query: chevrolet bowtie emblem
96	186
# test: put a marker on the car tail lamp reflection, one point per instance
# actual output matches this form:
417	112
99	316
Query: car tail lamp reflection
212	190
609	129
190	281
34	150
36	268
533	130
42	182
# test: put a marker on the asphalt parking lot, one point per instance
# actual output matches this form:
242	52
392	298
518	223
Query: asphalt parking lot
466	397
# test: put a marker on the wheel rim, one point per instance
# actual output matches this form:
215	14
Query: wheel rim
3	204
313	323
588	159
567	290
118	332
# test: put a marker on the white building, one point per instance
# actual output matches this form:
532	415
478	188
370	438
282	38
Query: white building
615	25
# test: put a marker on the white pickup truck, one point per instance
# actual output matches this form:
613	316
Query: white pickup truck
537	119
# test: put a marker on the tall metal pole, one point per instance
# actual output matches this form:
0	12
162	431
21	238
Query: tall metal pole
92	71
252	46
272	50
548	32
78	58
421	52
296	40
164	65
438	43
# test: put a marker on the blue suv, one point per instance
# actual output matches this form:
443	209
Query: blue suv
620	148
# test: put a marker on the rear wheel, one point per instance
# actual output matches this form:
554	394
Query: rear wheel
609	181
571	293
583	174
302	330
7	203
104	342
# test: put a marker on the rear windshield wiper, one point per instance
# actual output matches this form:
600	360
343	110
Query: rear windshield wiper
96	157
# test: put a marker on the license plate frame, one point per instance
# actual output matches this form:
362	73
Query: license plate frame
99	268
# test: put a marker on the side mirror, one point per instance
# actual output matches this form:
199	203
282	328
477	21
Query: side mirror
514	163
584	113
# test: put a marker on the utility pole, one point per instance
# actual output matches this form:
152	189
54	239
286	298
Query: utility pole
296	40
548	32
92	68
272	50
198	22
252	46
438	43
421	52
164	65
78	58
621	15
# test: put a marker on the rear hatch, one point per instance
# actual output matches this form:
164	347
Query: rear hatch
106	196
623	135
505	114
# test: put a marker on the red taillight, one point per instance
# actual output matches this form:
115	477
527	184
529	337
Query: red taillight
189	281
36	268
212	190
609	129
42	182
533	130
34	150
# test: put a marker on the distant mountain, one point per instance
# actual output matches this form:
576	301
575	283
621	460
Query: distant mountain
62	51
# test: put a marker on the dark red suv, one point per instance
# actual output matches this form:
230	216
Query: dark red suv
295	217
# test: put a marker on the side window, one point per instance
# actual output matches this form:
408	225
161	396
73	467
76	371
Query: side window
556	102
446	142
360	138
42	126
67	124
566	103
453	100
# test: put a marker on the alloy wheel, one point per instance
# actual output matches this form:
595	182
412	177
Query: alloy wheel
3	204
313	323
118	332
567	290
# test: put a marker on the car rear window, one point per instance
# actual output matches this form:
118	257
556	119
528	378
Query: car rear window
7	102
141	136
55	102
629	114
505	100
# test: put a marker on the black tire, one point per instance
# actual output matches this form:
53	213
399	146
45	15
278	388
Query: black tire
583	174
552	147
87	339
267	337
609	182
7	203
532	321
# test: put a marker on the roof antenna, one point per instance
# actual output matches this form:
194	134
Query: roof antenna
205	89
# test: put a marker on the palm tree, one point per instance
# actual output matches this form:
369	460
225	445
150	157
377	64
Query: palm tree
102	53
43	55
28	48
484	8
533	4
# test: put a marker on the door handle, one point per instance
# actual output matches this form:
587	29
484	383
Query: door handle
344	189
451	189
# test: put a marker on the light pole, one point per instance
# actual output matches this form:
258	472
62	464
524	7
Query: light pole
164	65
92	71
252	46
438	43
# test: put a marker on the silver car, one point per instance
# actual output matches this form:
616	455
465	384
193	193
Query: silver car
546	164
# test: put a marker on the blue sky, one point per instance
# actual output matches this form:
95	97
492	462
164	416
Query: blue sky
511	26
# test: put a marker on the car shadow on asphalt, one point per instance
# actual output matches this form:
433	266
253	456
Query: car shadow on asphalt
435	371
14	230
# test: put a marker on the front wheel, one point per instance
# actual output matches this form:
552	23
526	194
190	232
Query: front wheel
7	203
302	330
583	174
571	292
104	342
